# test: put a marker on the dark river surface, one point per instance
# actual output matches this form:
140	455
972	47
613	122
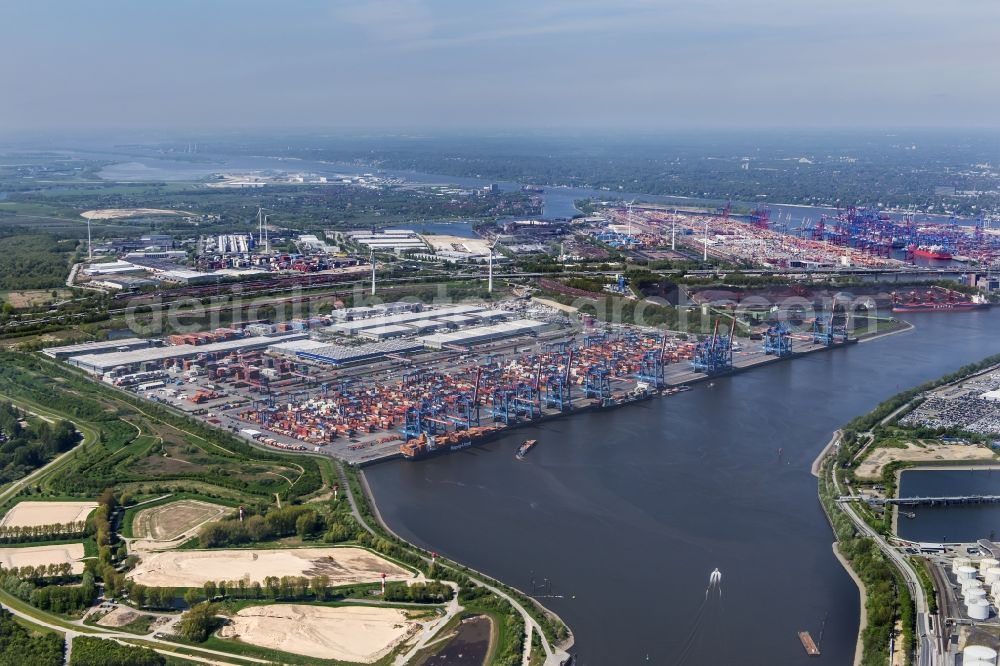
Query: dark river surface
951	523
628	512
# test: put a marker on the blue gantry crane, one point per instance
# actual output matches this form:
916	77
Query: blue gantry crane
778	341
715	355
651	368
597	384
558	388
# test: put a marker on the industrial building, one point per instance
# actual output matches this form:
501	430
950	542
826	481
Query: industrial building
121	283
457	321
387	332
168	255
388	240
355	327
101	363
292	347
228	244
481	334
112	268
344	355
186	276
380	310
122	345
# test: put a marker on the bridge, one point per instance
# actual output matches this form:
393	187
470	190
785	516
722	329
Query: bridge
925	501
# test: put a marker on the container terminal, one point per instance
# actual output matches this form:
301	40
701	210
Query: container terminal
853	237
411	381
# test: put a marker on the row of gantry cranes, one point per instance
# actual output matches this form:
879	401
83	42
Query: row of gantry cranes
507	390
552	387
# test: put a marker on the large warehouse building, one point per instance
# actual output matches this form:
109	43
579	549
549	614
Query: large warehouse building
481	334
101	363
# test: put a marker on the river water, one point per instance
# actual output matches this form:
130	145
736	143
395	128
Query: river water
951	523
626	513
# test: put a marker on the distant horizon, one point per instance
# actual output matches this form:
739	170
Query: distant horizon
159	134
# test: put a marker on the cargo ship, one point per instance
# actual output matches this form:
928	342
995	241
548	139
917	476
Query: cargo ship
938	252
931	302
430	445
526	446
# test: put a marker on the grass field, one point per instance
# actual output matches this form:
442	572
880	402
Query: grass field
147	449
30	298
168	522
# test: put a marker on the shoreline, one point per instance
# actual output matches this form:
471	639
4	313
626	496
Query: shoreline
863	593
818	462
959	466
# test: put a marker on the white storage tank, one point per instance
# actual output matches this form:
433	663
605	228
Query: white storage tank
977	662
987	563
979	652
971	591
959	562
979	609
971	582
966	572
992	575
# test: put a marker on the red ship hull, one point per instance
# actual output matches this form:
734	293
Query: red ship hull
932	254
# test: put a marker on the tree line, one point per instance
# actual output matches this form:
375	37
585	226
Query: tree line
304	521
27	445
89	651
18	646
53	532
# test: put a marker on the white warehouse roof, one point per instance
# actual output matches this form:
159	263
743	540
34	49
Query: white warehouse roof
352	327
101	363
471	336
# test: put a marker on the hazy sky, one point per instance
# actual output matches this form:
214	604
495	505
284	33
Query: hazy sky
546	64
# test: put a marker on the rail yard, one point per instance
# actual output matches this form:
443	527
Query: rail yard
402	379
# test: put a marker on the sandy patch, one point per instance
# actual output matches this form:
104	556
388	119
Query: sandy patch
117	213
194	567
457	244
30	514
35	555
362	634
172	521
871	466
119	617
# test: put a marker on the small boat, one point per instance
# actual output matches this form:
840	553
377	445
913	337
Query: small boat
526	446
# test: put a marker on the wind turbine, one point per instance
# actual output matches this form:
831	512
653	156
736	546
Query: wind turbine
489	287
260	226
705	258
673	230
90	244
